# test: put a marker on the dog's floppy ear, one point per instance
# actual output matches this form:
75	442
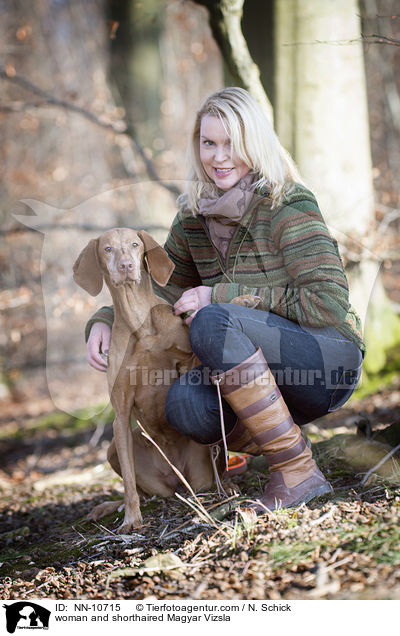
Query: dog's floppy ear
87	271
159	264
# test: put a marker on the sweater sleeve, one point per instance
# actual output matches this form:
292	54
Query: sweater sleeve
316	294
104	314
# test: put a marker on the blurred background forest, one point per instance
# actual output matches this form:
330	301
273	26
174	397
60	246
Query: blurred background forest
97	101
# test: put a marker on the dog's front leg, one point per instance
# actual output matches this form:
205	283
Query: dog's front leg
124	446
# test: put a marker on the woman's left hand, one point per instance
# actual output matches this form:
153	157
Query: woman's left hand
193	300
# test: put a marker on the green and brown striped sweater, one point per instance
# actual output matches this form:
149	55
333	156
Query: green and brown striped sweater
285	255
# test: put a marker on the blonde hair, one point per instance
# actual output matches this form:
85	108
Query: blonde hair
253	140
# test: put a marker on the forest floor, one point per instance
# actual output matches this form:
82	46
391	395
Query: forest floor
343	546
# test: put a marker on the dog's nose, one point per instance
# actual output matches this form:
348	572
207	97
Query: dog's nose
125	265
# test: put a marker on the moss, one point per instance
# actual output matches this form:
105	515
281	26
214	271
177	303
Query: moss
150	505
60	421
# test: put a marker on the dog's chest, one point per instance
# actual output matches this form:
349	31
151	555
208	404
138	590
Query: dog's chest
152	361
152	370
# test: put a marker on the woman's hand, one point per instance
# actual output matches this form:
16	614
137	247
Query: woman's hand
98	345
193	300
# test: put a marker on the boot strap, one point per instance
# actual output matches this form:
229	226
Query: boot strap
260	405
243	373
286	455
273	433
260	439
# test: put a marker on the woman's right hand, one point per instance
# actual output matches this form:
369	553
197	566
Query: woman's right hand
98	345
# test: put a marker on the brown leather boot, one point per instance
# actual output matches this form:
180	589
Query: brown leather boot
266	427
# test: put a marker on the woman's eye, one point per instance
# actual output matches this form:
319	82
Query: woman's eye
208	142
107	249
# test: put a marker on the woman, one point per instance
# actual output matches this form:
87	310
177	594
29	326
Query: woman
247	226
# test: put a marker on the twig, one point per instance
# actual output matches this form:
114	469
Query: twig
210	509
391	214
19	107
204	547
334	42
327	568
198	511
382	39
164	531
86	227
35	588
80	534
179	528
379	464
337	564
258	502
323	518
369	39
221	503
99	525
179	474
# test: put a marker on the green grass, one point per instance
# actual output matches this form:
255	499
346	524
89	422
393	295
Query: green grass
293	553
379	540
60	422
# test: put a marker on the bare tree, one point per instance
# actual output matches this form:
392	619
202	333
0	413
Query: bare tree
225	21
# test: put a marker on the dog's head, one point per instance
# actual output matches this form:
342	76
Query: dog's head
120	255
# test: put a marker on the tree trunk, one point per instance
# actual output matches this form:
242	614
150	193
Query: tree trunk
322	119
225	22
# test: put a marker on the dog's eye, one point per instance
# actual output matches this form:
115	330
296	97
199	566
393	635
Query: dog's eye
107	249
135	244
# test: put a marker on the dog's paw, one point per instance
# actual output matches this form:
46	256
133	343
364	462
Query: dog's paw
246	300
130	524
104	509
230	487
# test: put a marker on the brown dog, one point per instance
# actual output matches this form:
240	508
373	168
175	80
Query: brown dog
149	349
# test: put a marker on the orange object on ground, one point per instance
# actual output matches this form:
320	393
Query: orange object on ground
237	464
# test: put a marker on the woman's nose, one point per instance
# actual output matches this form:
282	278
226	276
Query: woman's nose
220	153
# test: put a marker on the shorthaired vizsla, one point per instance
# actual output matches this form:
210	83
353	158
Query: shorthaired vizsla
149	348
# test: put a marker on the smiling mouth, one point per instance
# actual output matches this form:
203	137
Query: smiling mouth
223	170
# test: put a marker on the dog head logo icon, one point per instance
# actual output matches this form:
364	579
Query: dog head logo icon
26	615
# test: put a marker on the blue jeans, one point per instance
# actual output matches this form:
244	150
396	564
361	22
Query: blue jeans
316	370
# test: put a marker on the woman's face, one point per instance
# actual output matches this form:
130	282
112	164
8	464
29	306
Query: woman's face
215	154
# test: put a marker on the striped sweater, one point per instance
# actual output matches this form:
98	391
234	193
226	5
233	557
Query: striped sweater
284	255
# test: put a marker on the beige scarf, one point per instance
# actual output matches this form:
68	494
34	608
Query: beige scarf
223	212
